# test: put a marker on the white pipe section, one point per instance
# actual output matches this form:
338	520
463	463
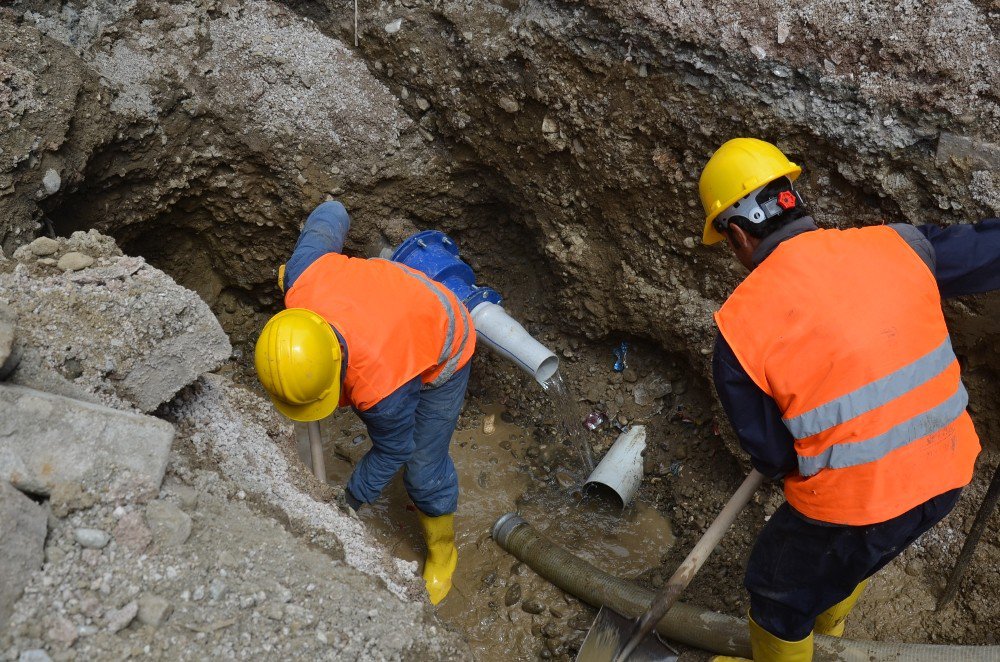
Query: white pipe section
621	469
503	333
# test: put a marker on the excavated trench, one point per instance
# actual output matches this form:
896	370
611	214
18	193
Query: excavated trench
559	144
526	465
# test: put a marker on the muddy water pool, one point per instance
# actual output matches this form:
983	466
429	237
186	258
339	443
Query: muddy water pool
503	608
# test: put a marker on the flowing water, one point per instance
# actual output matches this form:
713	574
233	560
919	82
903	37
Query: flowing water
568	411
500	605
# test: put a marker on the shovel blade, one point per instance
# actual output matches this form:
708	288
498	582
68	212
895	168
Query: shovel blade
609	634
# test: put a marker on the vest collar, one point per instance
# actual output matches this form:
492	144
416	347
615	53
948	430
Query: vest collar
771	241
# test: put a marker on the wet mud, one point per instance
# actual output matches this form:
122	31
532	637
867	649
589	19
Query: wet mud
497	602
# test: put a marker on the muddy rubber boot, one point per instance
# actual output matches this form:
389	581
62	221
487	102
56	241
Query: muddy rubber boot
442	557
768	648
832	621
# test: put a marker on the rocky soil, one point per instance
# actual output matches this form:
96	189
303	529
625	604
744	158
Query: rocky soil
559	142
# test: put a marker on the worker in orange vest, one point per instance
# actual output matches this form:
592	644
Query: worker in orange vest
392	344
834	364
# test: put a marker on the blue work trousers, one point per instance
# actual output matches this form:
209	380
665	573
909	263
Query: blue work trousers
412	428
799	568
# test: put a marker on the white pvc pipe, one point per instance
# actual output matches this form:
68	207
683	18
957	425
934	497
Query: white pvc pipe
621	469
503	333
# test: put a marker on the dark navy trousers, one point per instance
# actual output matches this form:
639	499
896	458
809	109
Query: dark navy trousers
799	567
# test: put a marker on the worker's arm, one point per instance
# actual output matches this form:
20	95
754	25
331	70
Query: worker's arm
390	425
754	414
967	257
324	232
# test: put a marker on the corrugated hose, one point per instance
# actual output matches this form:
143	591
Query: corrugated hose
691	625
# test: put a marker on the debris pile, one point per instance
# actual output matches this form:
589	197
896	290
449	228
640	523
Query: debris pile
127	534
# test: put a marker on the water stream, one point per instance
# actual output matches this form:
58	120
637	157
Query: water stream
567	409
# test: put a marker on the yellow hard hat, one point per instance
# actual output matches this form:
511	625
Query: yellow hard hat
738	167
298	362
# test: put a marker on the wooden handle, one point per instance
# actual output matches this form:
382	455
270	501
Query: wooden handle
316	448
667	596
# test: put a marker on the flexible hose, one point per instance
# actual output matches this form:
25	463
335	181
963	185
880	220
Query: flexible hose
691	625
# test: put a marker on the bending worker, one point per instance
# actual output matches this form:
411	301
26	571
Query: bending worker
396	347
834	365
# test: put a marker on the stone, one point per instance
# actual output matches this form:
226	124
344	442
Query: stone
22	539
8	324
216	589
784	30
91	538
43	246
119	619
48	439
51	181
34	655
394	26
132	533
513	595
154	610
509	105
532	607
170	525
74	261
62	631
423	104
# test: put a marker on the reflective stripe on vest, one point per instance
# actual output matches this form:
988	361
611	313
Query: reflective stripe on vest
452	357
877	447
872	396
844	330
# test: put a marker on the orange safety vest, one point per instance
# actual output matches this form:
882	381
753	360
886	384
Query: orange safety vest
397	324
844	330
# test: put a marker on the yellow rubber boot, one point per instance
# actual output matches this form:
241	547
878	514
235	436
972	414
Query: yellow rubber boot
768	648
831	622
442	557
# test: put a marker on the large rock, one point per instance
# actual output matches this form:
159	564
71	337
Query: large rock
119	332
7	325
47	440
22	538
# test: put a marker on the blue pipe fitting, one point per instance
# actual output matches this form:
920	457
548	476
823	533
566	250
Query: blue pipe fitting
435	254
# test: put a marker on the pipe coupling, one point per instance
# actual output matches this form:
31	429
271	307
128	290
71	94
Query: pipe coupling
505	526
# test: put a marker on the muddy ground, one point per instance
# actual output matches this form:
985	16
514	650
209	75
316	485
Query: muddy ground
559	143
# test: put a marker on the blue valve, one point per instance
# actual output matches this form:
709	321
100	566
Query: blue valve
436	254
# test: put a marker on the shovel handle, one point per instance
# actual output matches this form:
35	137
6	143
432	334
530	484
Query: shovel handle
667	596
316	449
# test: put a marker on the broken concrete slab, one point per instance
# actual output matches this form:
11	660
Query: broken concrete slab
7	323
118	331
47	440
22	539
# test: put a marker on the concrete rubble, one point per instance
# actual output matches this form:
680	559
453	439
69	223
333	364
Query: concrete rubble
144	337
139	540
22	537
49	440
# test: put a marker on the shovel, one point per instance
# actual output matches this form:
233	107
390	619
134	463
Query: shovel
614	637
986	509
